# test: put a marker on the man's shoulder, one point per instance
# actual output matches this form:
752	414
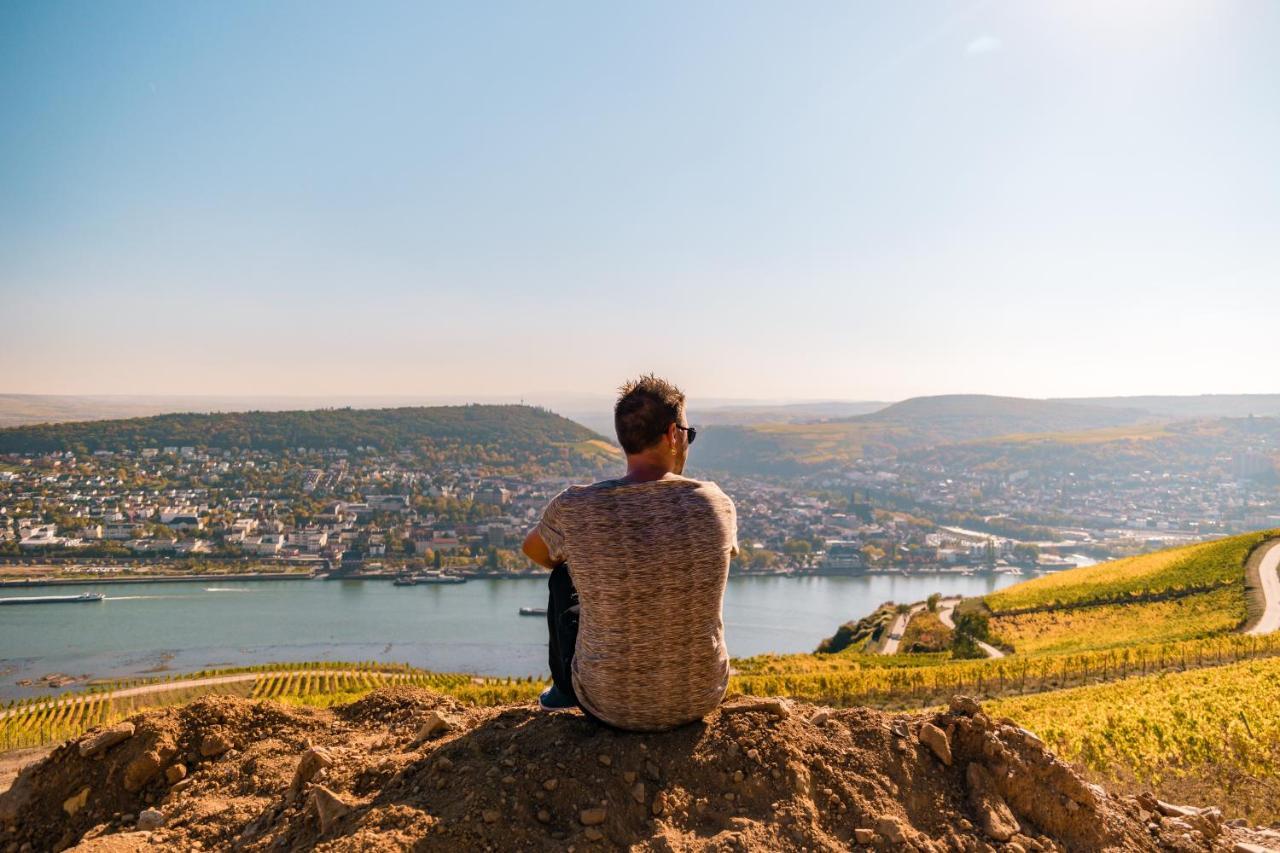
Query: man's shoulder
581	490
713	491
586	493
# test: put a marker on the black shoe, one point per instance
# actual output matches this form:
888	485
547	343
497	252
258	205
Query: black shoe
554	699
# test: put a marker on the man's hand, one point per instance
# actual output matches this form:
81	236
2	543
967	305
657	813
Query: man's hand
535	549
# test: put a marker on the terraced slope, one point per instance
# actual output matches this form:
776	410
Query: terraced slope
1169	573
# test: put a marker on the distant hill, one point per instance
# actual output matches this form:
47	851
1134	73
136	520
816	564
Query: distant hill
914	424
509	435
711	413
785	413
24	409
1200	406
963	417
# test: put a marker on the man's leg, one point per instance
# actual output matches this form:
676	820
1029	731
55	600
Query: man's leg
562	630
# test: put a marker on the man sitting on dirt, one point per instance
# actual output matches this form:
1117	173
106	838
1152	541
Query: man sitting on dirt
638	571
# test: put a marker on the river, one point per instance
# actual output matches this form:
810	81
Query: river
473	627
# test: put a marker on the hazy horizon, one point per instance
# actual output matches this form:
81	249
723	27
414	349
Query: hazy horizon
825	202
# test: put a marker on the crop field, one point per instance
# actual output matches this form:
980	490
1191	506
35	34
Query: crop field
924	680
1077	629
1204	566
34	722
1184	732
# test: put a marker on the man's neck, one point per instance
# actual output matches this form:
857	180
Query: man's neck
644	468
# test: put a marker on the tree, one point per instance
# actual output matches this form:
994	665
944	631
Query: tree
763	558
973	623
1026	554
797	548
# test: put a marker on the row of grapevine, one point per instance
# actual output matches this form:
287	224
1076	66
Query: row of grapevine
817	680
55	721
1217	721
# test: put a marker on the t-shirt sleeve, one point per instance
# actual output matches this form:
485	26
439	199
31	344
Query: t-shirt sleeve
733	530
551	528
730	513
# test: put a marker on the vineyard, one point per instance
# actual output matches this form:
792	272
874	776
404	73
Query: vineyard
38	721
1213	728
1114	625
843	680
1203	567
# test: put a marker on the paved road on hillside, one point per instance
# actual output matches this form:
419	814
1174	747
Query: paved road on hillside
896	627
1269	575
946	607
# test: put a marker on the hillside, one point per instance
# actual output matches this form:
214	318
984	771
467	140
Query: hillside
916	424
409	769
1183	570
1192	406
1196	591
963	417
463	432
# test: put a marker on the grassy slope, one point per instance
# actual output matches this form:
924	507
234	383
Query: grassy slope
1116	625
1206	566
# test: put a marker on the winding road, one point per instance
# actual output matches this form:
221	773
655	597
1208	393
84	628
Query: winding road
946	607
1269	578
896	627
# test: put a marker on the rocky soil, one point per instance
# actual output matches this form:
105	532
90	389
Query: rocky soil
406	768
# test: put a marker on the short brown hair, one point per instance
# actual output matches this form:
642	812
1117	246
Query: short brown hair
645	408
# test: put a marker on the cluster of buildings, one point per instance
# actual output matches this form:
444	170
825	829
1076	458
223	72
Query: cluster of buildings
1126	504
345	509
326	507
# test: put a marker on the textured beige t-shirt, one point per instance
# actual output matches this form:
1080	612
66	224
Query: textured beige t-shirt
650	561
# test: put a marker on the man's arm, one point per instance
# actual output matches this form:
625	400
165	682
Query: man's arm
535	549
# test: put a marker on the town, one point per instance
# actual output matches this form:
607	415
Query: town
369	513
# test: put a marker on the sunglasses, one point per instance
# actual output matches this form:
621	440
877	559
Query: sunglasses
693	432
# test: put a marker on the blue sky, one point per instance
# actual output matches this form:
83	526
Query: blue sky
783	200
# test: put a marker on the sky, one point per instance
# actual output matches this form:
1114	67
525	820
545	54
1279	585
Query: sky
846	200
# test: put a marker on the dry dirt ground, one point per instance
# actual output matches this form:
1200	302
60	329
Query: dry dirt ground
405	768
12	762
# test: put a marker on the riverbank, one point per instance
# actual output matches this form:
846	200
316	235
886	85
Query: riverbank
36	583
319	574
142	629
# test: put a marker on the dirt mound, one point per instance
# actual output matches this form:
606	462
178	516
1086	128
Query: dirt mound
406	768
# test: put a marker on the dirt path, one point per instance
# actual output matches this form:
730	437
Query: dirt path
12	762
1269	579
946	607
